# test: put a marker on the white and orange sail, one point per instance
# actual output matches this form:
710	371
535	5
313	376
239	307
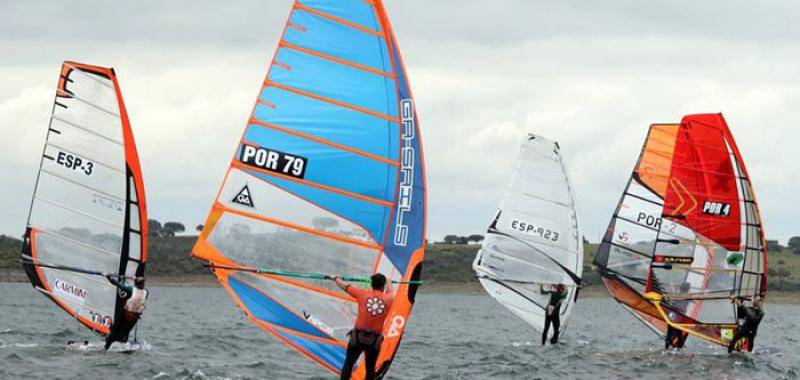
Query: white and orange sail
88	214
328	178
686	238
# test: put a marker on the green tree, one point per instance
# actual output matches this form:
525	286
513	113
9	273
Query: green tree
199	228
172	228
475	238
451	239
774	246
154	228
794	243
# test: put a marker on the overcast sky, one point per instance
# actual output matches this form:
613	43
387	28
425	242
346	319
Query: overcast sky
590	74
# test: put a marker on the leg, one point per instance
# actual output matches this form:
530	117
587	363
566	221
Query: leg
126	330
682	338
547	321
556	327
751	342
353	352
732	345
370	358
668	338
112	337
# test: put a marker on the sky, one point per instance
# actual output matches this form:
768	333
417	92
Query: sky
590	74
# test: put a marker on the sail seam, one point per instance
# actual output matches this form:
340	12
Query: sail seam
339	20
338	60
88	130
92	77
323	141
77	211
109	167
269	83
244	167
299	227
65	94
119	199
78	242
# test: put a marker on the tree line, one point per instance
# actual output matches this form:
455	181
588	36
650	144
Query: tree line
793	245
171	229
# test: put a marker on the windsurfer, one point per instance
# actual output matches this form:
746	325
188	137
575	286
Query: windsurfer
553	311
134	298
676	338
373	307
751	316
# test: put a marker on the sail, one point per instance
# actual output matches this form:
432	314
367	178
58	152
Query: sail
88	207
328	178
686	237
534	242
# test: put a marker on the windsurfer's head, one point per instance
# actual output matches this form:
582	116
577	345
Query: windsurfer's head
758	303
378	281
139	282
561	288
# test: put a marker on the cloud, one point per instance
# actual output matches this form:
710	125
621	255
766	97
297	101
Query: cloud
591	75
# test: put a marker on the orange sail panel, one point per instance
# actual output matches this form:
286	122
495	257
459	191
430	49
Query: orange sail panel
328	178
687	229
88	210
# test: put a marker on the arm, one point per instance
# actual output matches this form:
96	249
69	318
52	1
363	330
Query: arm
388	288
113	279
119	284
340	283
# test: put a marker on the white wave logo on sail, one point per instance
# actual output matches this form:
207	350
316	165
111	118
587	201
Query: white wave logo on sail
69	291
407	158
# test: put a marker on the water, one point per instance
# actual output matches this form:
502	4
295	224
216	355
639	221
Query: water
198	333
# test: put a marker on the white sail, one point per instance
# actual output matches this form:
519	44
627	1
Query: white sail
534	240
88	206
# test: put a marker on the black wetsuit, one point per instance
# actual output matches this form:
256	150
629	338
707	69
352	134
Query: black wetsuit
748	329
368	342
553	318
122	327
675	337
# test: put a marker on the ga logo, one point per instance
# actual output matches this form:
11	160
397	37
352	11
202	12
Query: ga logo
243	197
398	322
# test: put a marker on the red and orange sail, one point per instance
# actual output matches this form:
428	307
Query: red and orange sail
687	232
328	177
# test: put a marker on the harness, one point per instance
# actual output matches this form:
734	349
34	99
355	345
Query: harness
365	338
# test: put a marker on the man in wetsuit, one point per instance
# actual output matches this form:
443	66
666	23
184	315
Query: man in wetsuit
373	307
553	312
134	298
752	316
675	337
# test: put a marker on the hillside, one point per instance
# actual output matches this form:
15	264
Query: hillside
444	263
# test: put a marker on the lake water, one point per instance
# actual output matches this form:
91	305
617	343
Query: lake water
198	333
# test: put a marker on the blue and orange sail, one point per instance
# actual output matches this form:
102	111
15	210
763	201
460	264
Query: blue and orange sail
328	178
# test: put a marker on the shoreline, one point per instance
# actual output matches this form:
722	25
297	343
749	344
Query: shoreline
452	288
